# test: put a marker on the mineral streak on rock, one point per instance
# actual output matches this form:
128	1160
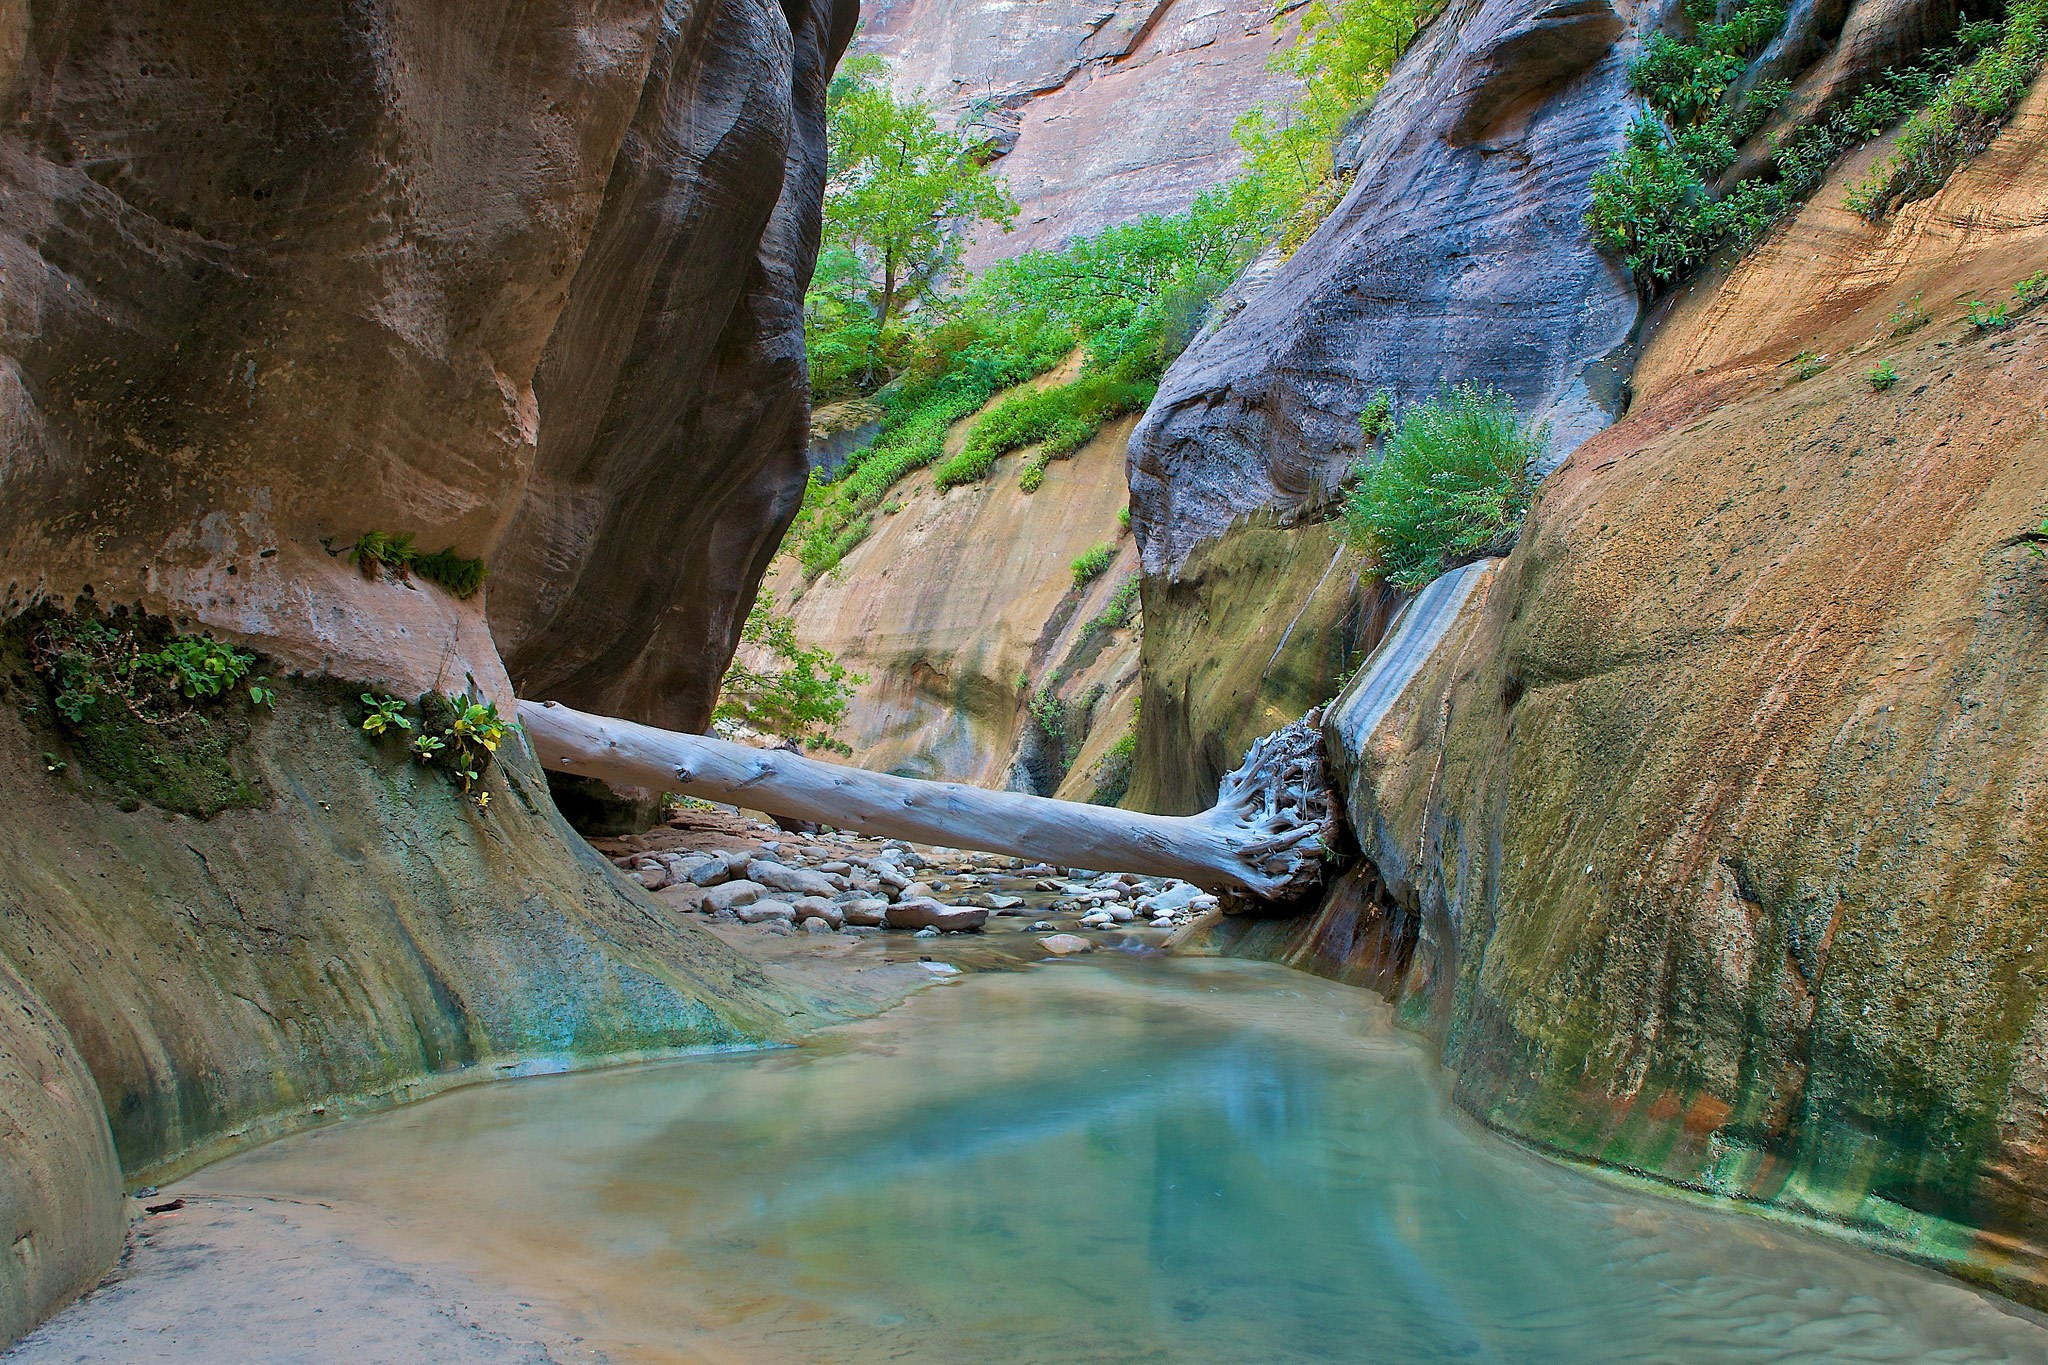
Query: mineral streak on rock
1458	254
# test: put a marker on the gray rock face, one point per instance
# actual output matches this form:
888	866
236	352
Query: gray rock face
1459	254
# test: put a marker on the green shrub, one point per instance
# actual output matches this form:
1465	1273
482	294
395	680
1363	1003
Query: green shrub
1988	317
1653	204
1060	420
374	550
1882	376
1964	113
1117	613
1908	317
1092	564
799	693
1123	518
457	734
1452	484
146	709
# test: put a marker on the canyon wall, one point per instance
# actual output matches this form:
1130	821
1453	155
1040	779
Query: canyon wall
961	606
1459	253
521	280
1099	113
1713	830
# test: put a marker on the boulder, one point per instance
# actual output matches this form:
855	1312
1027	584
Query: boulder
930	914
1065	945
867	911
733	895
761	911
817	907
798	880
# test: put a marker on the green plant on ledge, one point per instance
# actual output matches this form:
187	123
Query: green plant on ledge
457	734
1882	375
149	710
374	550
1092	563
1452	484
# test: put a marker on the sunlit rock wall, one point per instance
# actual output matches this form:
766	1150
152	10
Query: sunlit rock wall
1102	112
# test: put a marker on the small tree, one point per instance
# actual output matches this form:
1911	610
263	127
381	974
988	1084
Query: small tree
901	191
800	693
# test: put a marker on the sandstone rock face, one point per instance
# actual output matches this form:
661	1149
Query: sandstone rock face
523	283
955	596
1103	112
1719	808
368	937
674	405
1261	625
1458	254
60	1186
526	286
266	285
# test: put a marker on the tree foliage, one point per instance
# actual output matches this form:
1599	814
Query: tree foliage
901	192
799	692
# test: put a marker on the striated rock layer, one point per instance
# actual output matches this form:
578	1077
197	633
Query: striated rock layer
674	404
1714	828
1100	113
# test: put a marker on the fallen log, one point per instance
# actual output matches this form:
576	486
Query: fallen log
1268	834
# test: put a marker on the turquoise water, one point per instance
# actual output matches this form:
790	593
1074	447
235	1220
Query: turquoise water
1088	1161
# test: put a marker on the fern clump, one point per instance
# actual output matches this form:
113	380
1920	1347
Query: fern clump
396	555
1452	483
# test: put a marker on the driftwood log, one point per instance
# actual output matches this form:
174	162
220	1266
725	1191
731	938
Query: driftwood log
1266	836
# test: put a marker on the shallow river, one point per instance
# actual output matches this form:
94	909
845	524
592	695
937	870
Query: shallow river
1093	1161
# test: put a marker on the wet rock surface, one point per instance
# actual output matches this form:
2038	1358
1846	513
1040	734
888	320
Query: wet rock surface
1781	629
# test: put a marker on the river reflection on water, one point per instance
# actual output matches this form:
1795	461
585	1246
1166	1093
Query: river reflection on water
1113	1162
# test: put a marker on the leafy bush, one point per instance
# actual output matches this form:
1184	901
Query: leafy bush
1092	564
374	550
1117	612
1059	420
800	693
1964	113
1653	204
93	663
1341	54
1882	376
1452	484
457	734
147	709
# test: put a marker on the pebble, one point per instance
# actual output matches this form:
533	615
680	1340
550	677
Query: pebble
926	932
